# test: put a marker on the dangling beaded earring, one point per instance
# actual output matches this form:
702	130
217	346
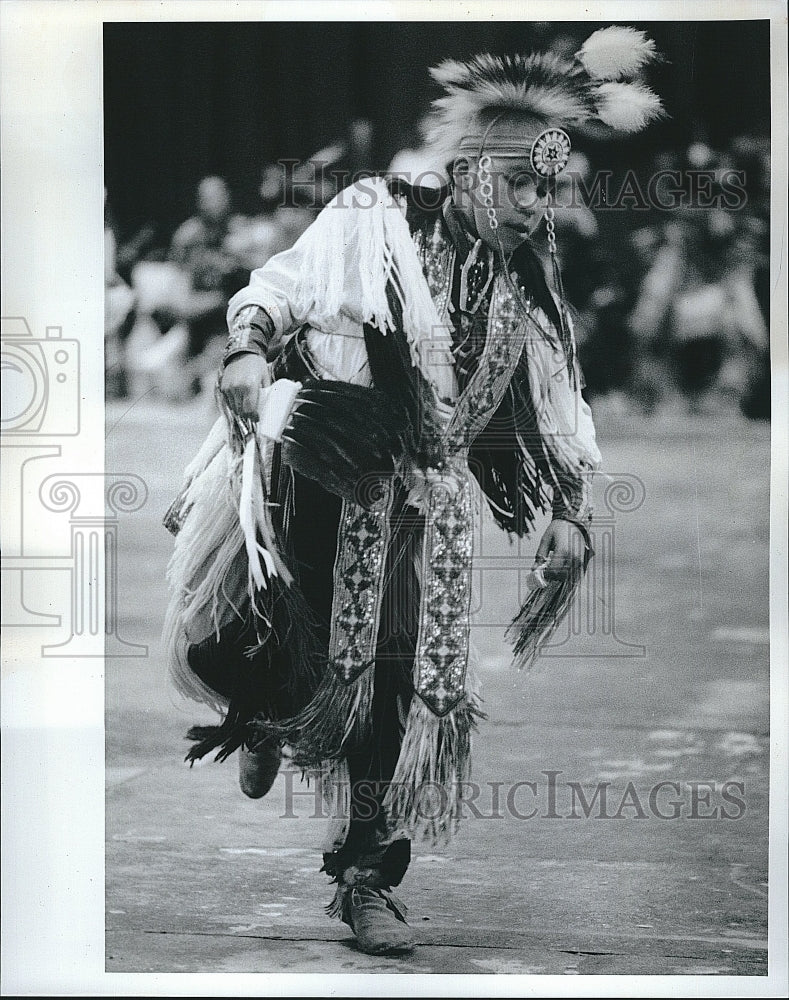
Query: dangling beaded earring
486	191
549	155
476	273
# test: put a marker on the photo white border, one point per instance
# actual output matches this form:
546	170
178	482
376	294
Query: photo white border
53	712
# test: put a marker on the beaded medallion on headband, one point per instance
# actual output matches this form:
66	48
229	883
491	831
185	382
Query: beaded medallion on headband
550	152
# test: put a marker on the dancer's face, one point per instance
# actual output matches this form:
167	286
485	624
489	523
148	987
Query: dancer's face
519	195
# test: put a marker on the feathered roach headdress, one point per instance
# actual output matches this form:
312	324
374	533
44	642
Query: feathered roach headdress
599	86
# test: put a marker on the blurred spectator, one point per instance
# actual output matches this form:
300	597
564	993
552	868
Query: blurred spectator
677	308
178	335
200	248
358	149
416	164
118	313
697	322
335	166
280	223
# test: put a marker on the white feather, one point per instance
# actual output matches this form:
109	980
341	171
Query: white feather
627	107
246	514
450	71
616	53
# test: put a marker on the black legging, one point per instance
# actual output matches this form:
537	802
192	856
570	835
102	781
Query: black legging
313	547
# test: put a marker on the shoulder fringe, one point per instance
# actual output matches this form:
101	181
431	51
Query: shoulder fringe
362	240
558	404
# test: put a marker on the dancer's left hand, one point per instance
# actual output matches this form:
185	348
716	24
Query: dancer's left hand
561	551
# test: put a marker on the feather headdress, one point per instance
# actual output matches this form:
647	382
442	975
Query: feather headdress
599	86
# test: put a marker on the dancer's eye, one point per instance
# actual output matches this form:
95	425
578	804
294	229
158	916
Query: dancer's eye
524	189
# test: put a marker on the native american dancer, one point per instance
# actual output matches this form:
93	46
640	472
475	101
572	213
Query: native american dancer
322	568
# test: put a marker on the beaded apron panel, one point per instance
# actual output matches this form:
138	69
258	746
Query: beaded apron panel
443	643
362	544
364	534
437	256
506	338
443	637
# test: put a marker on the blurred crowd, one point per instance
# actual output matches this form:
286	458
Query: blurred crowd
165	306
671	300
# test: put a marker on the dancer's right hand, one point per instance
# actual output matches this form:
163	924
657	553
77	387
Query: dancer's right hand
241	382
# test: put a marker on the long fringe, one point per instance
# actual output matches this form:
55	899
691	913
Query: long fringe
538	619
435	760
206	573
338	717
210	579
557	405
362	237
338	906
176	513
334	783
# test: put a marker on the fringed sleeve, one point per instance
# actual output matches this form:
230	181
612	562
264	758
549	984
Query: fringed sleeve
564	419
346	265
564	426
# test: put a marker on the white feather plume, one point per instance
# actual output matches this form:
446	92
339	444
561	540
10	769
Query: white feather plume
616	53
627	107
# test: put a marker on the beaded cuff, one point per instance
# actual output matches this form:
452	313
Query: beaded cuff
250	331
572	498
